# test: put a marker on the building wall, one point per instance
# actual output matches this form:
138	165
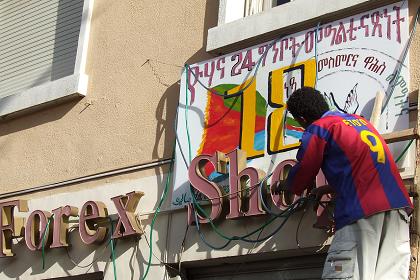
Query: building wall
414	50
135	50
136	53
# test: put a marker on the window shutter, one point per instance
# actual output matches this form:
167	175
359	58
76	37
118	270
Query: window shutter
38	42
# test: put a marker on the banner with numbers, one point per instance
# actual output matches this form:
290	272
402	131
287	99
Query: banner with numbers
238	100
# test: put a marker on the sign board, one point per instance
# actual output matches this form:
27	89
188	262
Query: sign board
43	229
238	100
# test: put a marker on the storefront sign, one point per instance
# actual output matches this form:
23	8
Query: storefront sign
348	60
93	220
239	175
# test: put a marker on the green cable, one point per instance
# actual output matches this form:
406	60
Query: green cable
316	54
186	113
113	251
47	227
404	151
195	204
165	191
162	199
194	200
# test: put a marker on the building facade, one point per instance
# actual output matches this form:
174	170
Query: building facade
89	95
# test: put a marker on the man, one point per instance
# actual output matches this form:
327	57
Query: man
371	202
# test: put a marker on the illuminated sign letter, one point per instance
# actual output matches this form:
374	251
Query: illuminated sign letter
284	199
126	206
205	186
92	213
238	176
61	225
9	225
35	230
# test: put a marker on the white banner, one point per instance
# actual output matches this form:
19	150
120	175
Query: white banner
348	60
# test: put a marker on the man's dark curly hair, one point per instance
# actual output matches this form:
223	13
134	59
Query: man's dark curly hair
308	103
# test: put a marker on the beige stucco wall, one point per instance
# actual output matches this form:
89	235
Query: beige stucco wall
127	116
415	49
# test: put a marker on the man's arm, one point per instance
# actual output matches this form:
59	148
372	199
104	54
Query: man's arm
310	156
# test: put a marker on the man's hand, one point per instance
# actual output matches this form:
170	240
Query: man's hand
279	187
319	192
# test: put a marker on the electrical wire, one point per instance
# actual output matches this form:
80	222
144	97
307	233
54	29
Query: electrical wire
47	227
195	205
404	151
243	238
316	54
298	227
111	241
182	248
186	114
161	262
286	214
149	244
239	92
101	254
162	199
264	205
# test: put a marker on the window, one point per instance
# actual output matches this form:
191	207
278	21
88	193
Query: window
42	52
294	268
281	2
231	10
241	23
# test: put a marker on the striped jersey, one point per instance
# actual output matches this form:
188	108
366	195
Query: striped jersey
356	163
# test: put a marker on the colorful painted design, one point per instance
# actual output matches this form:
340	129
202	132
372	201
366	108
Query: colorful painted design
222	131
293	128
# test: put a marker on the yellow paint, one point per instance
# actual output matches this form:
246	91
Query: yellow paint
276	118
248	115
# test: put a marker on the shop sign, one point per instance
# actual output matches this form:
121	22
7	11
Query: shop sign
93	221
239	176
348	61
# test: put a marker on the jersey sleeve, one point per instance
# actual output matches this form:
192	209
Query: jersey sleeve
309	156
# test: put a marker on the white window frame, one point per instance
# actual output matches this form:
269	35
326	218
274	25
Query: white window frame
230	10
235	35
59	90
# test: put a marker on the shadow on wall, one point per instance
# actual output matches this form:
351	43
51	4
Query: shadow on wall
167	107
286	239
77	257
165	116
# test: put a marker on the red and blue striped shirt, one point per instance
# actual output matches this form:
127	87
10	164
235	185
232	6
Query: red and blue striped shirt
357	164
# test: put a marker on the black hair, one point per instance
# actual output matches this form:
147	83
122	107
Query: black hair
307	103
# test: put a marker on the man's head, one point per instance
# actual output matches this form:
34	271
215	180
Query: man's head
307	105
